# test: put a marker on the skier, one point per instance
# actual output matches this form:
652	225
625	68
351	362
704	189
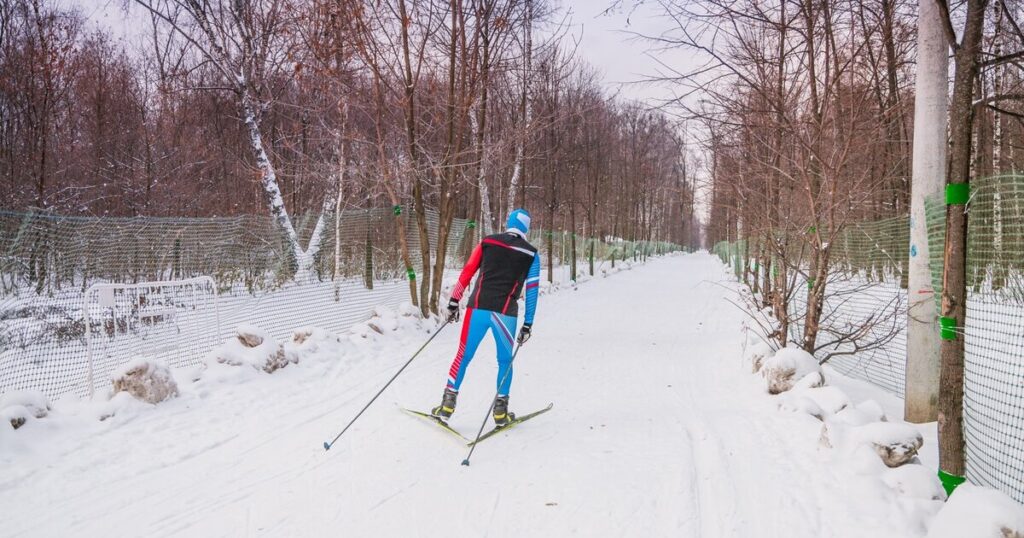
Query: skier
507	264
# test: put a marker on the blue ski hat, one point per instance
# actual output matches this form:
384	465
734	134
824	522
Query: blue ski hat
518	220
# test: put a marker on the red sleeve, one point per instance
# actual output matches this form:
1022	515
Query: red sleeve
467	272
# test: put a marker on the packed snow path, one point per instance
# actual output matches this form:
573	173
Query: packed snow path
656	431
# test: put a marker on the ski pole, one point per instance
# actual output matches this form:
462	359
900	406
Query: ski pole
472	447
327	446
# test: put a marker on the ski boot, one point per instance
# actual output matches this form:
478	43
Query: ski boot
502	416
447	407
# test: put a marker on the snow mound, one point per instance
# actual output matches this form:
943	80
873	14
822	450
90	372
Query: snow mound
310	342
915	481
250	347
789	368
122	405
832	400
34	401
146	380
407	310
863	413
798	403
978	512
820	402
384	320
895	443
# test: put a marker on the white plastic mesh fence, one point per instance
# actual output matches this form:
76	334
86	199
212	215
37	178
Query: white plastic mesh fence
173	322
120	289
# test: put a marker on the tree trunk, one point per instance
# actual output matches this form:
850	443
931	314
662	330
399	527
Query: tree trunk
414	155
954	292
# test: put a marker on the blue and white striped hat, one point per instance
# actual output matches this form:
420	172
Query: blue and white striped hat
518	220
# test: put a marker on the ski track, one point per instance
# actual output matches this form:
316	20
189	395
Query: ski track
656	431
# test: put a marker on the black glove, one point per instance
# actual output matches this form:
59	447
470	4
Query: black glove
524	334
453	310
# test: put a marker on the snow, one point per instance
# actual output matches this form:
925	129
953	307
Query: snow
791	368
31	400
979	513
252	347
658	429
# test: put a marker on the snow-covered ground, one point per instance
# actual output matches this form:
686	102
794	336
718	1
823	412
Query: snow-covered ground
658	429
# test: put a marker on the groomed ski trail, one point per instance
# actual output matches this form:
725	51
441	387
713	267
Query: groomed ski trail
656	431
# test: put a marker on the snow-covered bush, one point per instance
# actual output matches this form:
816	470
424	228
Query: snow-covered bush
978	512
250	347
791	368
146	380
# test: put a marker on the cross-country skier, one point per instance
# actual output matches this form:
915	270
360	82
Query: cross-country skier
508	264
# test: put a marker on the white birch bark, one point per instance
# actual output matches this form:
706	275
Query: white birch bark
485	194
513	185
272	189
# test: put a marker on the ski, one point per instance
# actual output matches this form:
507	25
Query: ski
434	420
515	421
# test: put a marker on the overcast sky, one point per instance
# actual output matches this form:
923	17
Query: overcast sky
609	42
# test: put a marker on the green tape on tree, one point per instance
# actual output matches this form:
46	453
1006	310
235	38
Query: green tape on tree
410	273
810	283
949	481
812	229
470	224
958	193
398	210
947	328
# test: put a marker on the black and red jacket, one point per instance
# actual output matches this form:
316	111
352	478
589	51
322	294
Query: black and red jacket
508	264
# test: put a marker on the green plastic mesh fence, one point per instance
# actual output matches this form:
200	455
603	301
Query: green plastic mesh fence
862	327
994	329
867	282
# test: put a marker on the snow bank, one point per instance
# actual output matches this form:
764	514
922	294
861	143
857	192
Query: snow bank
978	512
146	380
251	347
791	367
